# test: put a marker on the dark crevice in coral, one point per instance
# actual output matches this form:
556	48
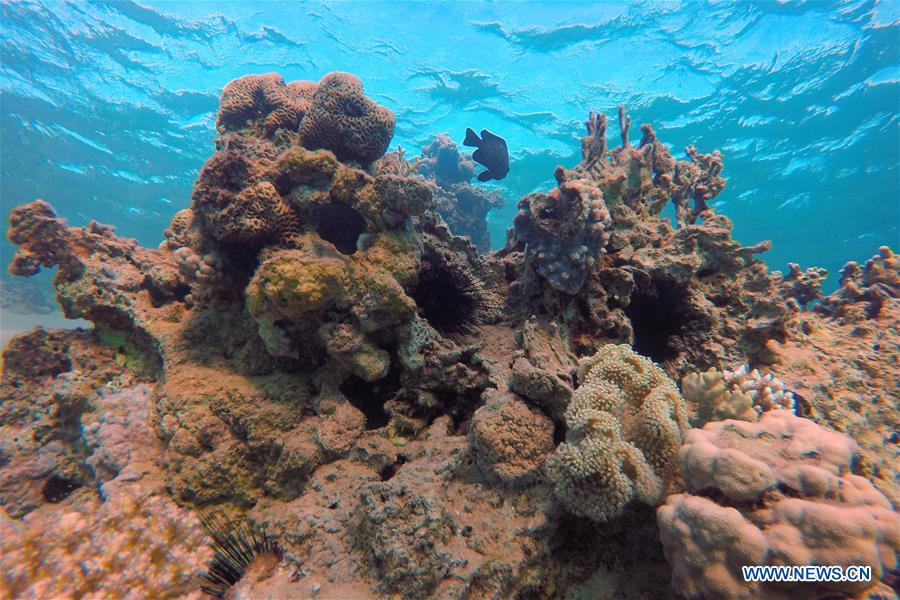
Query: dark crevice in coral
57	489
369	397
391	468
559	433
460	407
656	316
159	297
340	224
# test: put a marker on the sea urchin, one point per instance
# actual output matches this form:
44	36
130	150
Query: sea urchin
236	544
450	296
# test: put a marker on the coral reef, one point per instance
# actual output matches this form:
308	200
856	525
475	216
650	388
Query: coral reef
844	375
145	545
463	206
623	430
321	350
777	492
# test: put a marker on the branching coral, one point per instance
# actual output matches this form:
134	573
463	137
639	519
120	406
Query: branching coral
780	492
741	394
802	286
624	426
864	290
690	297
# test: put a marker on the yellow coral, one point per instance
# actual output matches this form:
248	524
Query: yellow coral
625	425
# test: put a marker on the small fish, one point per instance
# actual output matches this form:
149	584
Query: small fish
491	153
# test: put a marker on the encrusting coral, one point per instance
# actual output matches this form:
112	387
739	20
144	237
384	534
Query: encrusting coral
144	545
624	426
321	347
777	492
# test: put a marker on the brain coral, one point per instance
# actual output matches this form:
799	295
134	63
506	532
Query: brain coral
343	120
781	493
247	100
625	424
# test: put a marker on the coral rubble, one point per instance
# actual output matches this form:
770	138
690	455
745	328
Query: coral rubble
323	350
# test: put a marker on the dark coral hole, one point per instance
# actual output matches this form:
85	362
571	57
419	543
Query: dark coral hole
370	397
340	224
656	316
57	489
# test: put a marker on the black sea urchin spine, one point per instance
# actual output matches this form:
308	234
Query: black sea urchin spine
451	297
235	544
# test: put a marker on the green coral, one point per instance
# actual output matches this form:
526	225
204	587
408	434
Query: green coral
128	355
303	285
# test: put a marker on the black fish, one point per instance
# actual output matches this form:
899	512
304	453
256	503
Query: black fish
491	153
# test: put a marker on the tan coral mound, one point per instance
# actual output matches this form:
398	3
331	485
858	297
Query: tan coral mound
788	497
344	121
624	427
510	439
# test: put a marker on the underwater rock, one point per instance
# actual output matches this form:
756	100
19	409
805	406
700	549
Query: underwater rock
624	426
789	499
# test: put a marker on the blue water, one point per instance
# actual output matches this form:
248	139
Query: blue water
108	108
